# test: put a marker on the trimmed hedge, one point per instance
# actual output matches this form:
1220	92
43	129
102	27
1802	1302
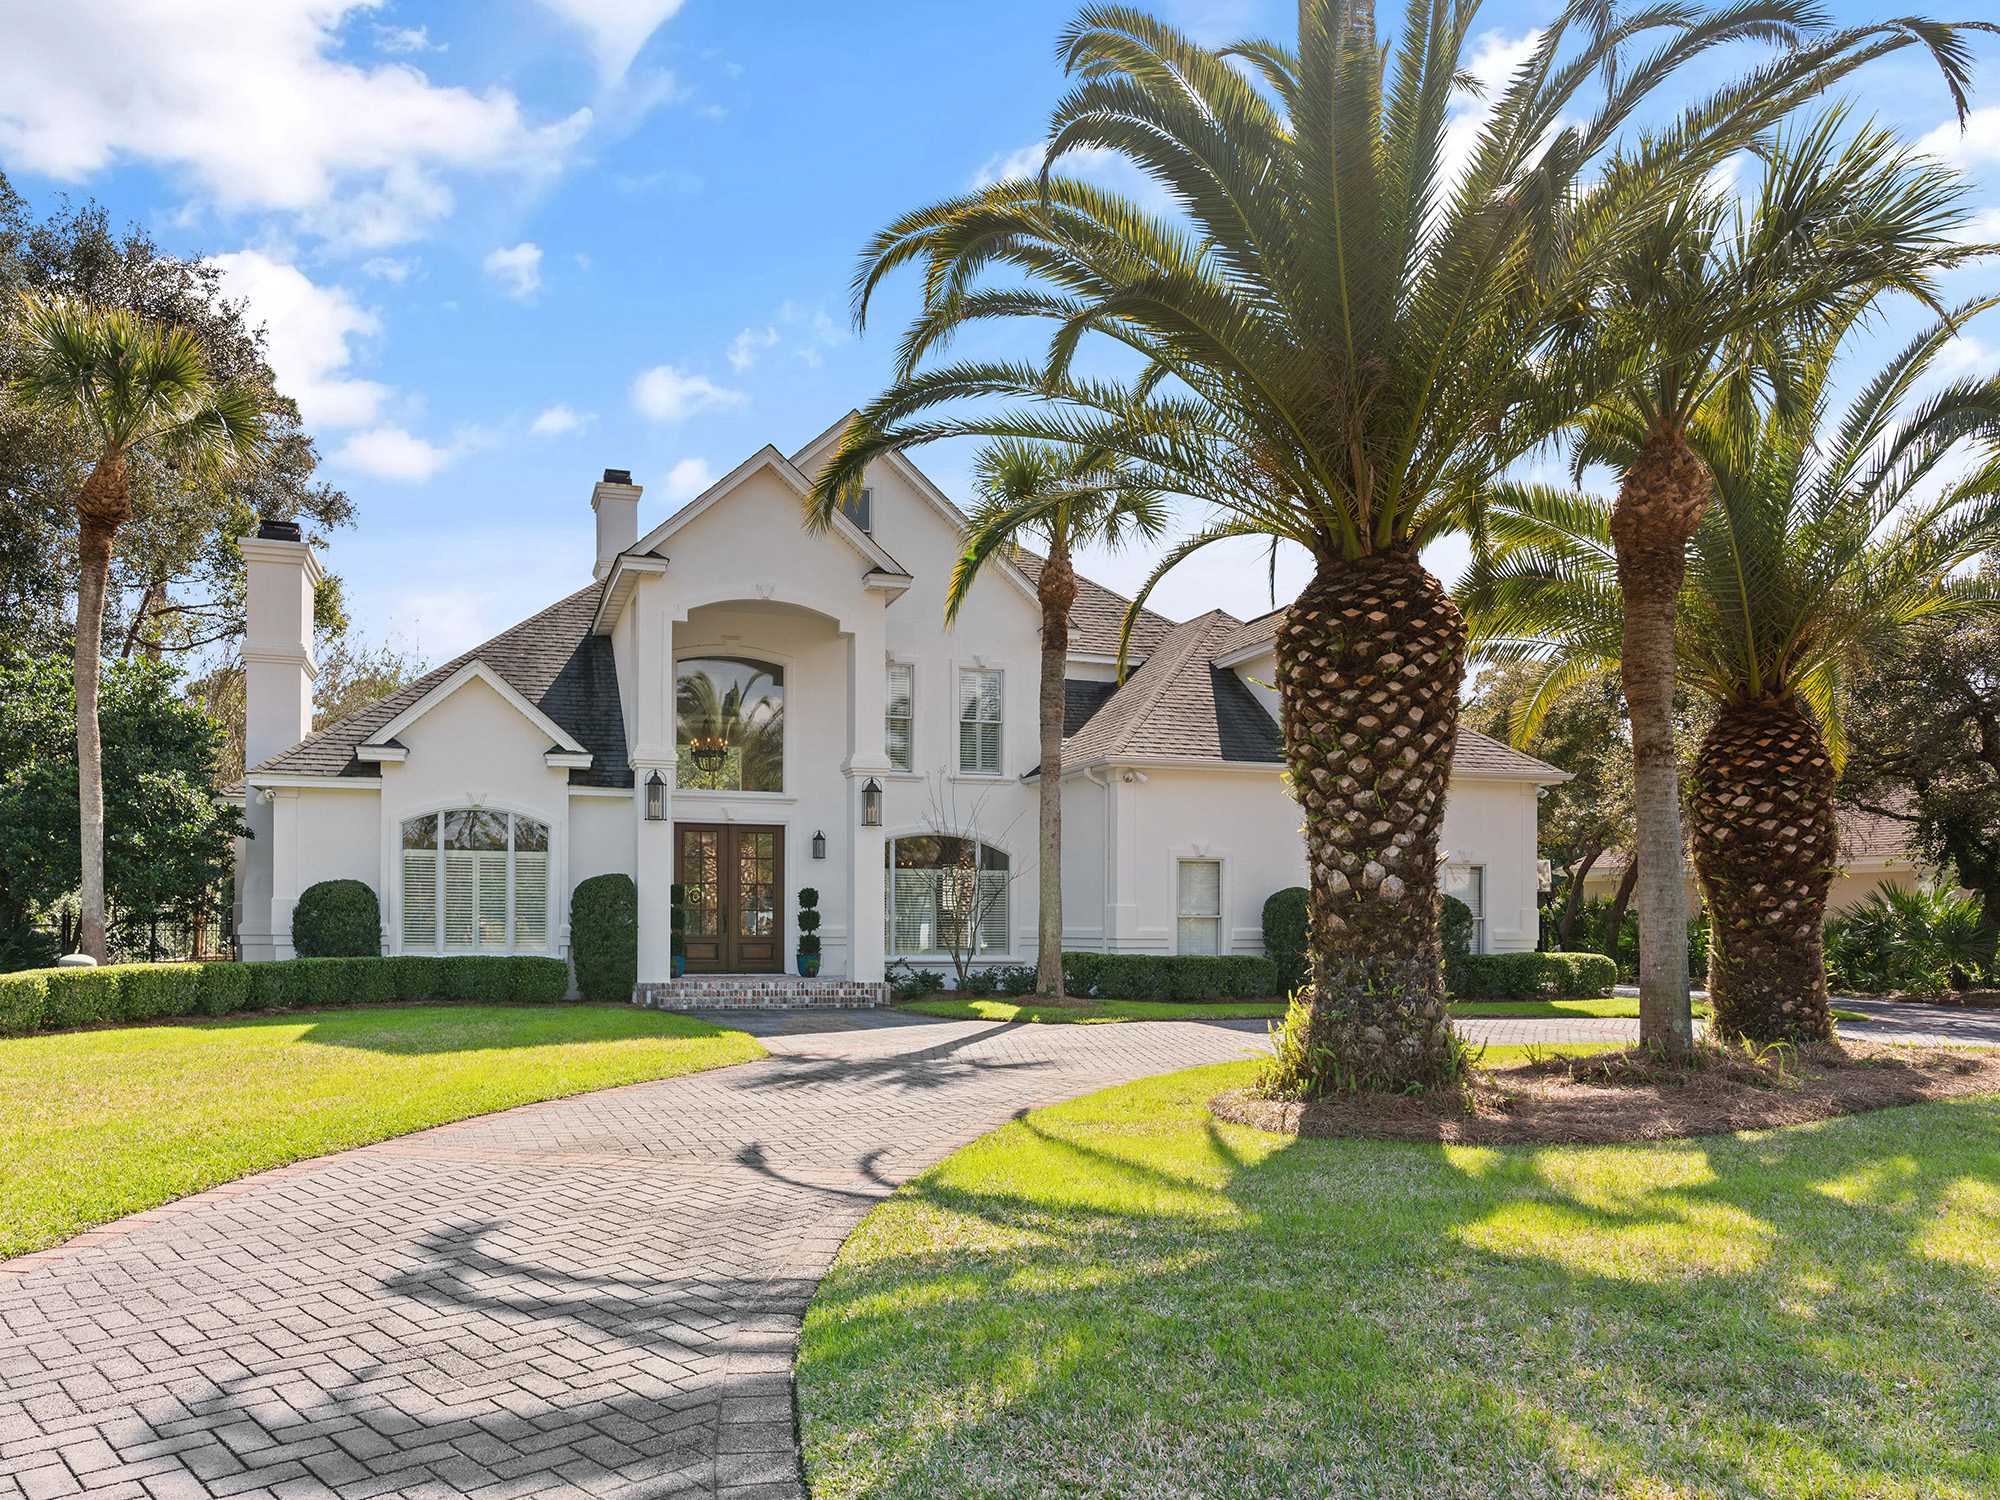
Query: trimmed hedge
1169	976
1533	976
337	919
604	936
59	999
1285	936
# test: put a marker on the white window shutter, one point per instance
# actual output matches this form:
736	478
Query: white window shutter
993	902
461	898
420	912
531	899
493	899
1200	906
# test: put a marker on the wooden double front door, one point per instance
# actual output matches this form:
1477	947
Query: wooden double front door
733	879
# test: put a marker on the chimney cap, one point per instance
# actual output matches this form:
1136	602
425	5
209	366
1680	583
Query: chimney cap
272	529
617	476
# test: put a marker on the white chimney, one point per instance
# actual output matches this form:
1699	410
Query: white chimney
615	499
278	667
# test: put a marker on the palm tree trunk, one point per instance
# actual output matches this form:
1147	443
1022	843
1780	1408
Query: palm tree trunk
94	567
1764	846
1058	594
1370	659
1566	927
1660	502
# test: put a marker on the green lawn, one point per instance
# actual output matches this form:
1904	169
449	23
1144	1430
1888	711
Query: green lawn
98	1124
1120	1297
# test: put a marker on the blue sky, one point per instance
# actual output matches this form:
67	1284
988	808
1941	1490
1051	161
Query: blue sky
501	246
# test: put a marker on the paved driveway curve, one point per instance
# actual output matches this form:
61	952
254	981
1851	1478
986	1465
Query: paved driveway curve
594	1296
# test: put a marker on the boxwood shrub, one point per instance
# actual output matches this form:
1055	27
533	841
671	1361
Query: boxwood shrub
1533	976
604	936
337	919
59	999
1285	936
1169	976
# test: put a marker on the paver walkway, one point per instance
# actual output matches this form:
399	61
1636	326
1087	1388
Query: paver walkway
594	1296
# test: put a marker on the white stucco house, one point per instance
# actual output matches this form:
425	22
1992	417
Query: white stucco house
750	707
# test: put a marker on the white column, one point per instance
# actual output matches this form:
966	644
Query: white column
867	669
653	750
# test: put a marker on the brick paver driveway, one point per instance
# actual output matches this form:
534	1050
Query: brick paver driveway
595	1296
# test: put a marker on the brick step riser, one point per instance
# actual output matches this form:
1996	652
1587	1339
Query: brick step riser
761	994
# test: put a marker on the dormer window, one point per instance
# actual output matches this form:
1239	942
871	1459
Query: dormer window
859	507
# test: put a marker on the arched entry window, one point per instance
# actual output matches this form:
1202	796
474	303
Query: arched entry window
475	881
945	893
729	730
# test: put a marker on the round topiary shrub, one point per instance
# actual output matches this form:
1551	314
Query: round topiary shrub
337	919
1285	936
604	937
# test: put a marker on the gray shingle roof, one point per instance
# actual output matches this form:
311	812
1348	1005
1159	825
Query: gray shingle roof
1099	614
551	659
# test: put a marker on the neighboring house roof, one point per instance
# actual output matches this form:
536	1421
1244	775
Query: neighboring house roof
1099	615
550	659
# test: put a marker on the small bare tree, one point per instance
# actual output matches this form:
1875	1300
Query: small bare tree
969	890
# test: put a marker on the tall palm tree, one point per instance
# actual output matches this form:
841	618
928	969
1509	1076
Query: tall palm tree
1063	499
1842	216
1342	338
1821	546
137	391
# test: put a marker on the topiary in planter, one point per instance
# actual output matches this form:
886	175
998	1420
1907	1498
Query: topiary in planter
808	932
604	937
337	919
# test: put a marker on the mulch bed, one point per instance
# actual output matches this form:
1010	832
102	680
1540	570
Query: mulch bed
1631	1096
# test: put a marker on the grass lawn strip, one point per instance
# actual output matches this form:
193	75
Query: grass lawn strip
1121	1296
95	1125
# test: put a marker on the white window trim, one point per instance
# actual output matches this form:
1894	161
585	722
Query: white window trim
556	923
1181	857
889	666
957	721
1479	868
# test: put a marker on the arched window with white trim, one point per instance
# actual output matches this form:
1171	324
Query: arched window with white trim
475	881
944	893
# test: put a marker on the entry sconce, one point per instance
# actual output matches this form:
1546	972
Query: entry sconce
871	803
656	798
819	846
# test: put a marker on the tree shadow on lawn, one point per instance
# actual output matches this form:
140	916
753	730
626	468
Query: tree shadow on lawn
1092	1305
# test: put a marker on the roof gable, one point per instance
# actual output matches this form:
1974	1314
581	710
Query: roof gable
476	670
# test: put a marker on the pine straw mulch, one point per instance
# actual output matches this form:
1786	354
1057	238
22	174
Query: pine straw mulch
1632	1096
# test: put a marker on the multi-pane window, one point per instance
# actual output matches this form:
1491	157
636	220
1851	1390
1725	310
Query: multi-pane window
1198	884
899	716
729	727
1468	884
946	894
979	722
475	881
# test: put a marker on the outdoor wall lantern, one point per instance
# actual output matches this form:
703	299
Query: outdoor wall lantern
656	798
709	752
819	846
871	803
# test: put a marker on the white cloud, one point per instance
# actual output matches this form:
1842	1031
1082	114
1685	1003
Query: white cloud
1097	164
251	101
390	268
518	269
747	345
555	421
665	394
392	453
617	29
1496	57
687	479
403	40
1983	228
1977	143
309	333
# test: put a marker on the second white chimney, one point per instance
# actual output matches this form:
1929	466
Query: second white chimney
615	499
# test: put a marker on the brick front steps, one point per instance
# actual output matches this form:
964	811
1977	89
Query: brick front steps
760	992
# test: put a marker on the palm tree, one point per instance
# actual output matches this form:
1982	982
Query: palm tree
1342	339
1064	499
1842	216
1820	548
137	391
